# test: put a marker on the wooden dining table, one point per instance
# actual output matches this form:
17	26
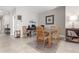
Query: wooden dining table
49	32
49	38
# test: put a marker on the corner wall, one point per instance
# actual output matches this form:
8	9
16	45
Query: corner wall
59	18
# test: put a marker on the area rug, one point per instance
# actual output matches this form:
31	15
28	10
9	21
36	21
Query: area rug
42	49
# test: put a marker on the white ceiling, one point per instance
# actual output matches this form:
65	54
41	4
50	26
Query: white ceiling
35	9
40	9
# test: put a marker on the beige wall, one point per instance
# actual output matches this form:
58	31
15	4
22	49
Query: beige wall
59	18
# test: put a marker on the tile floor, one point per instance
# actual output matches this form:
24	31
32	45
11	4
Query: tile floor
12	45
68	47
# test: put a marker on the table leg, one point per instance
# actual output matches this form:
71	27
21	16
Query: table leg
49	41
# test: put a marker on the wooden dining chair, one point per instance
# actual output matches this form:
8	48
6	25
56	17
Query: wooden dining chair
40	34
55	34
24	31
41	37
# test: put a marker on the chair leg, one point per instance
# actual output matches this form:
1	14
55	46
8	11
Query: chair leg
44	43
57	40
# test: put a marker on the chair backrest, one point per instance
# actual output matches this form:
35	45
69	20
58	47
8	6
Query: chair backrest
24	29
42	26
56	31
40	32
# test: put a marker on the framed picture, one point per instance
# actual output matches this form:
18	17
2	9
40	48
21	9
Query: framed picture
19	17
50	19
